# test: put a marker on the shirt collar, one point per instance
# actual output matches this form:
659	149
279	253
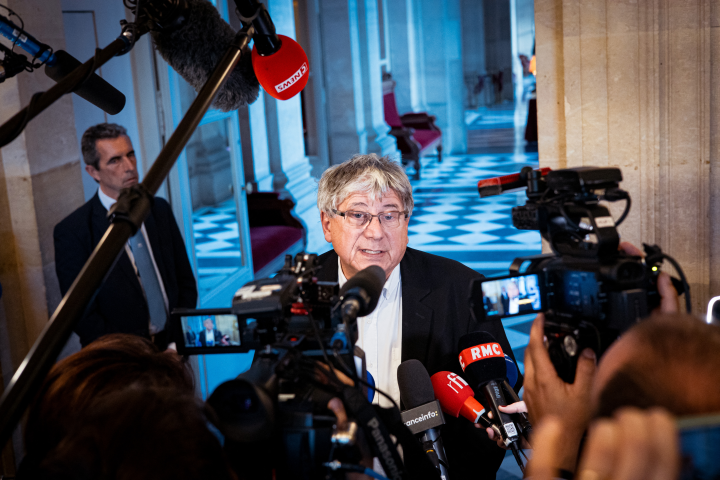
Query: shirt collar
391	284
106	201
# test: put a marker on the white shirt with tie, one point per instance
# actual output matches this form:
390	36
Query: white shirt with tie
108	202
380	337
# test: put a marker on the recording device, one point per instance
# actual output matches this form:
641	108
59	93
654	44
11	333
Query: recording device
274	417
589	290
423	413
483	361
699	438
279	62
457	398
57	65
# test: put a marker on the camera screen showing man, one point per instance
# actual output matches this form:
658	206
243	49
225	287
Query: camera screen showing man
210	331
511	296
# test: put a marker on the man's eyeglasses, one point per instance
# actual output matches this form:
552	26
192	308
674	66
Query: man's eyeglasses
360	219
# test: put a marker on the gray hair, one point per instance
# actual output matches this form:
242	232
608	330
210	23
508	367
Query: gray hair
95	133
369	174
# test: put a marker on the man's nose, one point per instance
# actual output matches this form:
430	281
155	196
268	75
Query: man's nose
373	229
128	163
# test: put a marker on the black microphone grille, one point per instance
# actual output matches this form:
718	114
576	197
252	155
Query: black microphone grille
370	279
415	385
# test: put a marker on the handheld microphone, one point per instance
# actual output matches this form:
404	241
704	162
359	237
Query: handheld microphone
360	295
483	361
59	64
512	371
457	398
424	413
193	47
280	63
509	384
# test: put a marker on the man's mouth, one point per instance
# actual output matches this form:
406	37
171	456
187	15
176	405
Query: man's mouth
371	252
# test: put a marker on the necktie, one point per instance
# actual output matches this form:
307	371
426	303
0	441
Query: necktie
149	281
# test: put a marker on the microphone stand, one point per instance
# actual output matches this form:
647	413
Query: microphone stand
127	215
10	130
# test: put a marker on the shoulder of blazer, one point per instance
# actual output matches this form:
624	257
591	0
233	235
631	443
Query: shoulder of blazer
432	270
328	262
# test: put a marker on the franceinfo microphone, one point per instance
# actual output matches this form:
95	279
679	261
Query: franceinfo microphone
457	398
483	361
424	414
280	63
60	64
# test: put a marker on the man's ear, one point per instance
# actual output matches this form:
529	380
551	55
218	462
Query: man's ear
93	172
325	222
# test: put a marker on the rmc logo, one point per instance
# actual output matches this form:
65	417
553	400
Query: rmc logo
479	352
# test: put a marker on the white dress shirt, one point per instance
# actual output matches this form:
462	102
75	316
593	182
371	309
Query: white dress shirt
380	336
108	202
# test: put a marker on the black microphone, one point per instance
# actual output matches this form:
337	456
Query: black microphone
359	296
483	361
58	65
423	414
194	47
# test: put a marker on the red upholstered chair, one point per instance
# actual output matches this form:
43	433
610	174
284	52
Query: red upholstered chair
274	232
416	133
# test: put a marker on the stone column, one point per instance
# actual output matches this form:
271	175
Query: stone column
473	35
439	46
400	28
353	81
254	142
628	84
288	163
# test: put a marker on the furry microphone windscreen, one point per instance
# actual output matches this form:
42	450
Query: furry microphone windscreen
195	48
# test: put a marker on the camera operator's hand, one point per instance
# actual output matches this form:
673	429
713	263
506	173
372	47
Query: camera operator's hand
634	445
547	394
669	298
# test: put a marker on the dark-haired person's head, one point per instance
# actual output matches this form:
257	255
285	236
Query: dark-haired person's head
109	157
139	433
104	367
668	361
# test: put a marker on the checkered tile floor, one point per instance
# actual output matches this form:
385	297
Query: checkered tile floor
217	244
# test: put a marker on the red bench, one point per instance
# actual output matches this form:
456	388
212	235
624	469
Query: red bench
274	232
416	133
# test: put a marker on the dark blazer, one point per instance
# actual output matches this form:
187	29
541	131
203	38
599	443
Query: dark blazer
217	336
436	313
120	305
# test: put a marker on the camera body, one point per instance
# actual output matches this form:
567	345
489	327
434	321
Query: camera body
590	291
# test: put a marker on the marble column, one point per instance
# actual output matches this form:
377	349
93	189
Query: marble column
254	142
438	40
473	37
353	80
286	147
401	51
629	84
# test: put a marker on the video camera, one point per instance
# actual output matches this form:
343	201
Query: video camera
590	291
274	417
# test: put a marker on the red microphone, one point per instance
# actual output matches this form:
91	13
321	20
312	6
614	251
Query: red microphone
284	73
456	397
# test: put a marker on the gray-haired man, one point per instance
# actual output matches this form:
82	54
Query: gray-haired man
365	205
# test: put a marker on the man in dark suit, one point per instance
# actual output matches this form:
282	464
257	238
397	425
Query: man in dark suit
151	277
365	204
211	336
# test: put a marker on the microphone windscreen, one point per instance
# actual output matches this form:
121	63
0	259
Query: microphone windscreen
370	279
451	390
284	73
512	371
194	49
481	358
95	90
416	388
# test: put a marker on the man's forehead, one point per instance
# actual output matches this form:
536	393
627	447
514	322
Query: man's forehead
389	197
114	146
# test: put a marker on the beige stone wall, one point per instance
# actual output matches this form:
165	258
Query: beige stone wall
40	184
635	84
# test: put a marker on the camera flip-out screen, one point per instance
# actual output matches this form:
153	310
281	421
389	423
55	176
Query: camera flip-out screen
208	331
511	296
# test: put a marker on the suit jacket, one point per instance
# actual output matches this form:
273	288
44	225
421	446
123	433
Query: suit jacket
217	337
435	314
120	305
